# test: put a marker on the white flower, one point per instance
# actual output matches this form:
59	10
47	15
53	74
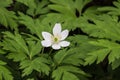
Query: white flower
57	39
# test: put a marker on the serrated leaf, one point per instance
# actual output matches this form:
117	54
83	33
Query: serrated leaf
79	39
109	48
20	48
79	4
70	23
97	56
81	42
16	45
41	8
8	18
66	13
110	9
65	7
71	76
5	3
34	48
116	64
5	74
2	51
103	27
16	42
33	25
39	64
2	62
71	57
17	56
63	73
29	3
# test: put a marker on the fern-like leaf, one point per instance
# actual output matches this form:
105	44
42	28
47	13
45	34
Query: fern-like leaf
68	57
66	8
8	18
66	73
33	25
39	64
35	7
108	48
112	10
29	3
5	3
18	47
65	64
104	26
5	74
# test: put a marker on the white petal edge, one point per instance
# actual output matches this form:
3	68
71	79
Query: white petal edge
64	34
56	46
57	29
46	43
64	43
46	35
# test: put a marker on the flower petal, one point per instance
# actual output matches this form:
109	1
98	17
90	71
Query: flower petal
64	43
57	29
46	35
64	34
46	43
56	46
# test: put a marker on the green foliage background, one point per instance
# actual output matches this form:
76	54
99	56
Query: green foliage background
94	51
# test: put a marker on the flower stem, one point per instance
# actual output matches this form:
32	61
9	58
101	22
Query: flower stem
42	50
50	52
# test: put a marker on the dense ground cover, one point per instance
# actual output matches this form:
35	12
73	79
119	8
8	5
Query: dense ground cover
59	39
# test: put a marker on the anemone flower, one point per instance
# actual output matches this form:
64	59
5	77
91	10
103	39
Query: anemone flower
57	40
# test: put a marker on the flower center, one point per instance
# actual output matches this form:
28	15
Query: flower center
55	39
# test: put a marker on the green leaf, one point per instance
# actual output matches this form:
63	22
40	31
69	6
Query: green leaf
29	3
16	56
103	26
2	51
33	25
71	57
5	74
82	45
110	9
66	13
16	45
34	48
39	64
66	73
79	39
2	63
116	64
97	56
108	48
65	7
16	42
70	23
35	7
41	8
66	62
31	79
80	4
20	48
5	3
8	18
